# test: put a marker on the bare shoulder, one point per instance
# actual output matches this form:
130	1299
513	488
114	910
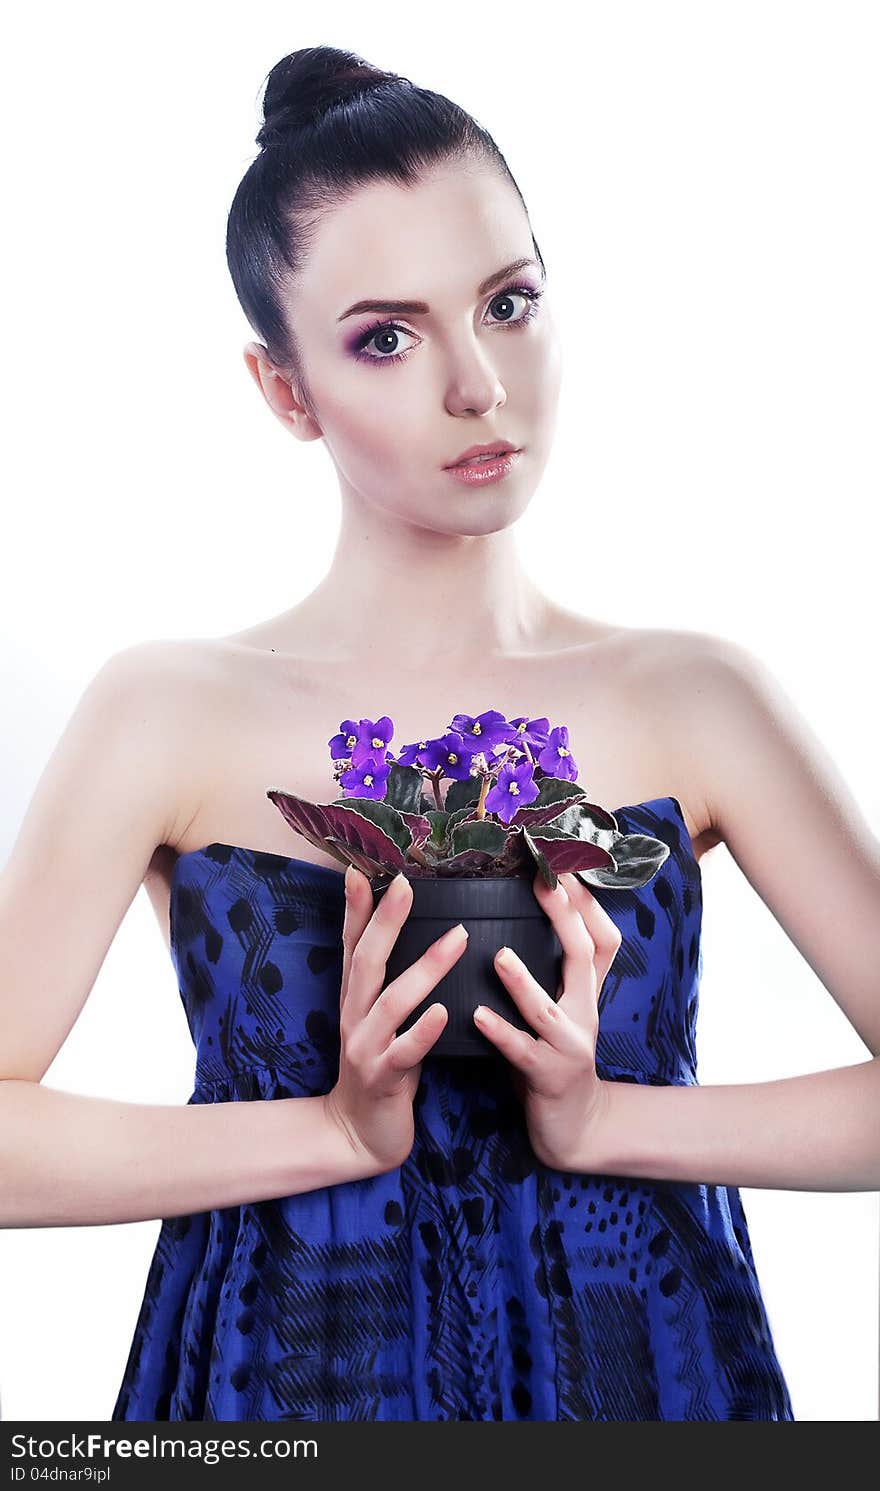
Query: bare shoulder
169	692
677	680
776	798
698	683
212	688
161	663
666	650
733	731
178	677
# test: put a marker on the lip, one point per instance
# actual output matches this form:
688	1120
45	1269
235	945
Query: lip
498	447
484	473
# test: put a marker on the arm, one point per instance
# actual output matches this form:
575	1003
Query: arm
68	1160
817	1132
126	769
774	796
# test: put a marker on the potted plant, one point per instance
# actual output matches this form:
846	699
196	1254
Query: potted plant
512	809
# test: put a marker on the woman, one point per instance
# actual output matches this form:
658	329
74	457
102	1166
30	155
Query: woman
349	1233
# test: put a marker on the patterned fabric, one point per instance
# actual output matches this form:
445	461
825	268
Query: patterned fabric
472	1282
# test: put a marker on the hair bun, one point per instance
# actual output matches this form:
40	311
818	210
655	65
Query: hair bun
307	83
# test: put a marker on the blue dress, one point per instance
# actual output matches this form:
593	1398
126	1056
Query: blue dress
472	1282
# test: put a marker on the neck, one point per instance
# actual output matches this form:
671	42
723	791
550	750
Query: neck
397	591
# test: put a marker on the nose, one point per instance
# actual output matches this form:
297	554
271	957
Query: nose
474	385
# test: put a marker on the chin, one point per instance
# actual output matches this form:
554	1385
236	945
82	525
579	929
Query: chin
479	525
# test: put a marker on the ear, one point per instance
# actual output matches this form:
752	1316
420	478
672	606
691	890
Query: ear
276	386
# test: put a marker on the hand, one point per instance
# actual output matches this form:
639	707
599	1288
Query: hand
379	1070
555	1074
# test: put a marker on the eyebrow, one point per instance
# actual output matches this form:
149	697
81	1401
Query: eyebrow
421	308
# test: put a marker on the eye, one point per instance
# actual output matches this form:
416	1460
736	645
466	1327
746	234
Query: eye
531	297
386	339
385	334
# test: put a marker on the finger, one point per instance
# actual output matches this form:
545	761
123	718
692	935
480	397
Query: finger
546	1016
408	1049
579	997
359	907
412	987
605	933
373	948
517	1045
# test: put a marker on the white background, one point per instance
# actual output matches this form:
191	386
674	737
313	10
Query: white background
702	181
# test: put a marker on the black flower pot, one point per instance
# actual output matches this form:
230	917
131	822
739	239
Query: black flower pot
496	912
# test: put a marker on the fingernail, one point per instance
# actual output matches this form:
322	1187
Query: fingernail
347	880
504	956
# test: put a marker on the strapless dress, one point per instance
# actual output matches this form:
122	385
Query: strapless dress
472	1282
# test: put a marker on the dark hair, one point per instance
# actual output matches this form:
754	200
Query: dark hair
332	122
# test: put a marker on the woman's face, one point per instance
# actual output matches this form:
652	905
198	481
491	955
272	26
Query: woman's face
399	395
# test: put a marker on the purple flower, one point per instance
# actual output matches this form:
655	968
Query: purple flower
362	738
366	778
342	745
483	745
556	758
373	739
515	788
531	733
482	731
409	755
451	752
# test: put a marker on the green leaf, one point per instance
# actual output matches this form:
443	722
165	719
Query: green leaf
544	869
634	858
554	789
462	794
479	833
460	815
371	828
348	856
385	818
578	822
564	797
403	788
638	858
438	821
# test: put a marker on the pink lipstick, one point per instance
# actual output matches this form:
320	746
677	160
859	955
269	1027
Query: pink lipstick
484	463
